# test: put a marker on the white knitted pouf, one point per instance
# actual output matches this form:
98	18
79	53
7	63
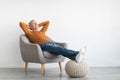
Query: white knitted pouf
74	69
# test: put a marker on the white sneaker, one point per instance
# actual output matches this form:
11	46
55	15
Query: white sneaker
80	56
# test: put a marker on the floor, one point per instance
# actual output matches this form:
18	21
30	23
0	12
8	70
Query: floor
54	74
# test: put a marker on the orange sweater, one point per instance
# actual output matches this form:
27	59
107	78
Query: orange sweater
38	37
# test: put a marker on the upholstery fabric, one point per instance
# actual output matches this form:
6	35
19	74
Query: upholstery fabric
31	52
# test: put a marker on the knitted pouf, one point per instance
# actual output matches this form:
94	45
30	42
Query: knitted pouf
74	69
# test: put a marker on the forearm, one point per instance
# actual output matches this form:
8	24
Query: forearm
24	27
45	26
43	23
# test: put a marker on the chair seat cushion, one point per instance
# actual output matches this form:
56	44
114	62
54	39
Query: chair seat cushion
49	55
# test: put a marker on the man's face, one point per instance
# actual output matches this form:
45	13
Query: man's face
33	25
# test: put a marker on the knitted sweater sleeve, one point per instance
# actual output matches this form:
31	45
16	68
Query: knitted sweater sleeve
24	27
45	26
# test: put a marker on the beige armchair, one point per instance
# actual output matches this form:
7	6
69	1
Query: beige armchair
32	53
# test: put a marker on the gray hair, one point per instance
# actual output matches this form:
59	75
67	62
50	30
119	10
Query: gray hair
30	22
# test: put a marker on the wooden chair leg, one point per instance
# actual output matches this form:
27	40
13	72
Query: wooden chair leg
26	66
43	68
60	66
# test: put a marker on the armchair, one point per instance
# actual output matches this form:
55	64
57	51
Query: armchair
32	53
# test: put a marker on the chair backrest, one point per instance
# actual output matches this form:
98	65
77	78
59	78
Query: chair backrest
29	52
23	41
24	38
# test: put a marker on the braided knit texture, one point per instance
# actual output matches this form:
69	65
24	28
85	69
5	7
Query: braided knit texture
74	69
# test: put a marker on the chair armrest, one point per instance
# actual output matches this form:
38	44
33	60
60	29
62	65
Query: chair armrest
62	44
59	43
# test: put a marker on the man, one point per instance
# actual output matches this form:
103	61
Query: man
39	37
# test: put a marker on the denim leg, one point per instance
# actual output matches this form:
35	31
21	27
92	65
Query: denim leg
59	50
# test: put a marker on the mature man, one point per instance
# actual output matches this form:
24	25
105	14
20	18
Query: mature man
39	37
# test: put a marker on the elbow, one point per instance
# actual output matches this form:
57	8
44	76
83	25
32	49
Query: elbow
48	21
20	24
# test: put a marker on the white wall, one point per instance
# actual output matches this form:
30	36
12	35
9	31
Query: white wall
77	22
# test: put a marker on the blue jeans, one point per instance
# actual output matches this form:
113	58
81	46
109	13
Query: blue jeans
59	50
